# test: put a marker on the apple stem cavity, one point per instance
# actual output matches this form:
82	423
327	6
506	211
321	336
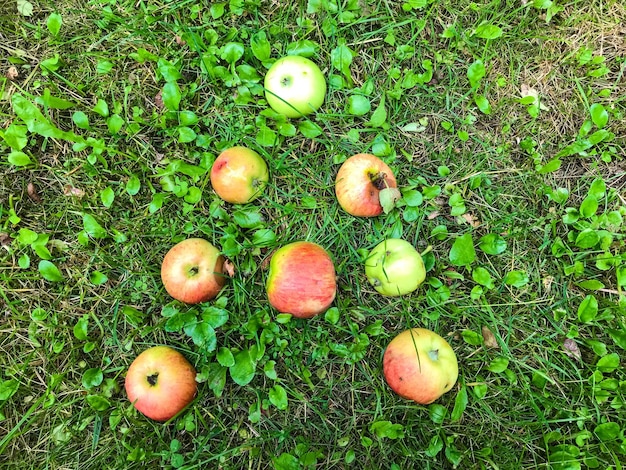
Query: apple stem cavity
379	180
153	379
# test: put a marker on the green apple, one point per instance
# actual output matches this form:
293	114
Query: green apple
160	382
394	267
420	365
294	86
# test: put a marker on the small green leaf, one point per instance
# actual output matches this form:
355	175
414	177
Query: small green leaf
186	134
18	158
475	73
341	59
463	252
92	378
115	124
54	23
107	196
472	337
81	328
607	431
133	185
492	244
225	357
589	206
588	238
597	189
379	116
332	315
49	271
387	429
232	52
102	108
92	227
358	105
516	278
483	277
171	96
550	167
483	104
104	67
98	403
260	46
388	198
460	404
303	47
588	309
599	115
8	388
488	31
278	397
81	120
619	337
498	365
309	129
97	278
608	363
242	371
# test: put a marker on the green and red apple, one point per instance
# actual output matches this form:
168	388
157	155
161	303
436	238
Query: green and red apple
294	86
394	267
301	280
160	383
192	271
420	365
359	183
239	175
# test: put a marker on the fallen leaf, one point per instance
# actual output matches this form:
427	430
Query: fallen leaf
388	198
571	348
32	192
5	239
12	73
489	338
70	190
158	101
229	268
433	215
179	40
470	219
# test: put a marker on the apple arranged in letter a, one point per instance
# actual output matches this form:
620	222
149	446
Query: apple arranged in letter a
193	271
239	175
294	86
360	181
394	267
420	365
301	280
160	383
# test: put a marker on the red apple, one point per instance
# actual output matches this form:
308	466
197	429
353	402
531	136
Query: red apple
160	383
359	183
193	271
239	175
420	365
301	280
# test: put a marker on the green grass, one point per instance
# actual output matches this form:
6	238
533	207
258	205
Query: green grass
535	185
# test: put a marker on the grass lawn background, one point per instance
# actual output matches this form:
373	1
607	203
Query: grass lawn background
504	124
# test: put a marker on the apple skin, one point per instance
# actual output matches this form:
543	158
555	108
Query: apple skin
301	280
192	271
420	365
394	267
239	175
299	82
160	383
359	182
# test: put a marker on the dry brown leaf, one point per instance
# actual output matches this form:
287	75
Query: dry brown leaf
5	239
571	348
158	101
70	190
470	219
32	193
12	73
489	338
433	215
229	268
179	40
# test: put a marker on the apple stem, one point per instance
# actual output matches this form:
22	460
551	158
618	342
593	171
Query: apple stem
428	249
379	180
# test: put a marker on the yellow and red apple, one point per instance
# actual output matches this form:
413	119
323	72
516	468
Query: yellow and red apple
160	383
301	280
359	183
420	365
239	175
192	271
